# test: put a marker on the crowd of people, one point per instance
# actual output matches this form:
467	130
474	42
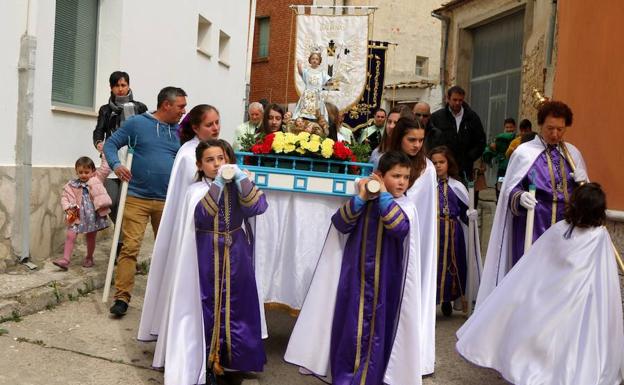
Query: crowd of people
547	314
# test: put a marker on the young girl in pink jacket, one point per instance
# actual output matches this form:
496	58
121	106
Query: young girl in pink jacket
86	204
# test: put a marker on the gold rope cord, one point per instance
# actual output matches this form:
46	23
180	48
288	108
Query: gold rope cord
446	240
358	348
375	299
227	273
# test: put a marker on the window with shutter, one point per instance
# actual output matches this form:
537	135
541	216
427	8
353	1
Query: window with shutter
263	41
75	48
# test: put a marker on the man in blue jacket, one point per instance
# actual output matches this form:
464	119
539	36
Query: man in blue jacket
155	141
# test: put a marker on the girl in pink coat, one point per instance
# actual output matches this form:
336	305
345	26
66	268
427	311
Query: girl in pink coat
86	205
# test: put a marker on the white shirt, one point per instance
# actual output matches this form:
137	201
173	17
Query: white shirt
458	117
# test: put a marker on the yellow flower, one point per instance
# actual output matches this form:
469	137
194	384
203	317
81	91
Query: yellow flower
289	137
303	136
313	146
301	150
327	148
288	148
278	142
315	138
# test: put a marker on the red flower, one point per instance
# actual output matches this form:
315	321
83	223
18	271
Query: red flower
354	169
341	151
263	147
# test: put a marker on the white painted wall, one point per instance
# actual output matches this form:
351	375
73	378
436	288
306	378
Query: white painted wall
13	14
153	40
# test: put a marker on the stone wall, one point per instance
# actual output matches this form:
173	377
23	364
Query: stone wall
47	228
533	64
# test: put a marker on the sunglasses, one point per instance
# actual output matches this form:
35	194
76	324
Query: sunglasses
421	115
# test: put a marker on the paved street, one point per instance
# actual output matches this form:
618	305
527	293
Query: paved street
74	341
78	343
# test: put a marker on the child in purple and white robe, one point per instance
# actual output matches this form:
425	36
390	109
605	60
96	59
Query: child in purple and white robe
361	317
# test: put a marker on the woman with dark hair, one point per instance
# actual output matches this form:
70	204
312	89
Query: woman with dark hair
121	106
458	276
556	317
551	166
408	136
272	120
400	111
200	124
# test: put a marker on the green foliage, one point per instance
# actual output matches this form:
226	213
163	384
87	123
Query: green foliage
15	317
361	151
247	140
142	268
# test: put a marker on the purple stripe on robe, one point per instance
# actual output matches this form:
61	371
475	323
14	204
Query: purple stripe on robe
544	195
344	339
245	329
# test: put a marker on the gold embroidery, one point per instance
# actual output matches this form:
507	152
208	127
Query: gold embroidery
396	222
392	212
253	201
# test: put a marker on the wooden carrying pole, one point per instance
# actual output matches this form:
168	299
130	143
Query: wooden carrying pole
120	212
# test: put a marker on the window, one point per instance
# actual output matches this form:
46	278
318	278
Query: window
421	66
203	35
224	48
75	47
264	27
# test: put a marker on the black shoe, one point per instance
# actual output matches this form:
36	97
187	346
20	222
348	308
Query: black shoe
119	308
447	309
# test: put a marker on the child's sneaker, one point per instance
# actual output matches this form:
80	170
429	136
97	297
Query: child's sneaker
62	263
88	262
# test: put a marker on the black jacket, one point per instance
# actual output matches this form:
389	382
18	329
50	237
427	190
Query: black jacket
108	122
468	143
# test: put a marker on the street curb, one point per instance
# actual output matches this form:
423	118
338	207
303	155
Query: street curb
52	292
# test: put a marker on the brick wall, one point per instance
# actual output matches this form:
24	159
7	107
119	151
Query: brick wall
269	75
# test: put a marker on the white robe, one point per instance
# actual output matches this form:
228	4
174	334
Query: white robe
158	291
556	318
424	195
474	265
310	341
498	256
181	342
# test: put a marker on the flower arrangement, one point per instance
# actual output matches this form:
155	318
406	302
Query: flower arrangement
303	143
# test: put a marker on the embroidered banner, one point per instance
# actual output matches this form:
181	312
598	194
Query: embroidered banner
342	42
360	114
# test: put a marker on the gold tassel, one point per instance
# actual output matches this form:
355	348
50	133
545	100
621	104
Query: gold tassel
217	369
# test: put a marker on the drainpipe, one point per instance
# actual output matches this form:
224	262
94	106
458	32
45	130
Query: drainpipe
446	22
23	147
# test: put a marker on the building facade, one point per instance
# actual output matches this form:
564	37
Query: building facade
412	61
58	56
500	50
